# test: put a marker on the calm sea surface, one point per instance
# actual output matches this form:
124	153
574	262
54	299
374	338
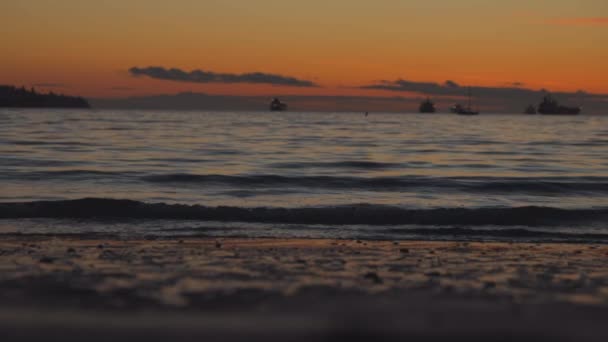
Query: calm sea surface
304	174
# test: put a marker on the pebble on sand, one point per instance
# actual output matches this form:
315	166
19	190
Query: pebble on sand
47	260
373	276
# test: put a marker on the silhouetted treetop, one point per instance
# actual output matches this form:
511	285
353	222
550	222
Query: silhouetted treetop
11	96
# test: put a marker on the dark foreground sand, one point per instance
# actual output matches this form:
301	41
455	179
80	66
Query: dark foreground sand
104	288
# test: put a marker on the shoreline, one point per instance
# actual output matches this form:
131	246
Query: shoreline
312	288
142	237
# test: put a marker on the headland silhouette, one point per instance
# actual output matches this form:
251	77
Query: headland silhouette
11	96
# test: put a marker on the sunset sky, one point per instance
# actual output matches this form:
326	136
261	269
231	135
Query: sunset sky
88	47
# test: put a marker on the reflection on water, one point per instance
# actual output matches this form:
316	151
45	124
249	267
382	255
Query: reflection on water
304	159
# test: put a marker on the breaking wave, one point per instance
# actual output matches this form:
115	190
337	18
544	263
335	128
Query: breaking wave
561	185
362	214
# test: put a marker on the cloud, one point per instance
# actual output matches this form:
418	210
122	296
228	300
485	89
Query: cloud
451	88
451	84
593	104
510	97
581	21
400	85
49	85
200	76
120	88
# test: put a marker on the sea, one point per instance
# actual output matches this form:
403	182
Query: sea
385	176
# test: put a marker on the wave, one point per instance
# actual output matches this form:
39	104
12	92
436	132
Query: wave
363	214
27	162
352	164
47	142
554	185
562	186
383	233
497	233
72	174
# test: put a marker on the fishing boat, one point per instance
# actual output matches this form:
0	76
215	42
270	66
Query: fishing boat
277	106
550	106
461	110
427	106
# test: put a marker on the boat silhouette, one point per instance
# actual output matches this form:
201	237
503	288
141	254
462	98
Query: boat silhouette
550	106
427	106
461	110
277	106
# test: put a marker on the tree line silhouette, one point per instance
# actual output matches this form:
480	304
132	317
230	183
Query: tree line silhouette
11	96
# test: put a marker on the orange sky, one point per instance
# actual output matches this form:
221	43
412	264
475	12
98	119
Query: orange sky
87	47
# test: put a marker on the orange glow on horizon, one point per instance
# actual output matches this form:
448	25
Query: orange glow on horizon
89	48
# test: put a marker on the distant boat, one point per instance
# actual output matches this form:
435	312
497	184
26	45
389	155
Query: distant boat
530	110
277	106
461	110
550	106
427	106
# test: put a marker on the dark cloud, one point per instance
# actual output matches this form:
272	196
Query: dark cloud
119	88
418	87
510	98
593	104
200	76
451	88
451	84
49	85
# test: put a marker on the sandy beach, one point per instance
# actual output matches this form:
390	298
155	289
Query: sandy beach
103	287
303	171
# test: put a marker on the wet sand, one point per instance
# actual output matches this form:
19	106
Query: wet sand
103	287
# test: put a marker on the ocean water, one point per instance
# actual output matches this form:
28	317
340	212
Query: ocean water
336	175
